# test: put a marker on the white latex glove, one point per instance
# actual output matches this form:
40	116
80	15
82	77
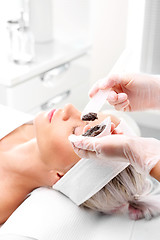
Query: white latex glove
142	153
131	92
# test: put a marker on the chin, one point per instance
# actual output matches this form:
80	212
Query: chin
40	118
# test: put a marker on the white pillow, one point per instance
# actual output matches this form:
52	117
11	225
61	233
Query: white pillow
49	215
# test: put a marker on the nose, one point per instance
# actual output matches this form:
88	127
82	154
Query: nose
70	111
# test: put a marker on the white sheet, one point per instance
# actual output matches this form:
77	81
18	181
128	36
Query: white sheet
15	237
49	215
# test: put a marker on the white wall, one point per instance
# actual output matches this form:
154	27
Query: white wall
135	24
72	20
109	26
104	22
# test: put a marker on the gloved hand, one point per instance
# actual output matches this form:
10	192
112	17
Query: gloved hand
142	153
131	92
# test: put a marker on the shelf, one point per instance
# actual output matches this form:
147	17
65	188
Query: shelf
48	56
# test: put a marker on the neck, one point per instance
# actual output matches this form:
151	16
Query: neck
24	164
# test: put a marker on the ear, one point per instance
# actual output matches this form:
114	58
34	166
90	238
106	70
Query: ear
55	176
59	175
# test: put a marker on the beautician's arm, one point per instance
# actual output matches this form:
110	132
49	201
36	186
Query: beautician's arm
142	153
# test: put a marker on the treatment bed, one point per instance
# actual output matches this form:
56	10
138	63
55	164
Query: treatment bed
49	215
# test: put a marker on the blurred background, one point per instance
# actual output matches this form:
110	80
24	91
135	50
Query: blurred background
52	51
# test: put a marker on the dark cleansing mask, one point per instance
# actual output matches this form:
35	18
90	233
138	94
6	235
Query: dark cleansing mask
90	116
94	131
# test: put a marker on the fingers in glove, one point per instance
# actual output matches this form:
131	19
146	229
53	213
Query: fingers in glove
94	89
109	82
116	98
112	81
87	143
84	153
107	146
104	83
117	131
122	106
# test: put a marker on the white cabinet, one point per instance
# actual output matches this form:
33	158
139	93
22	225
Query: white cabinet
59	74
67	83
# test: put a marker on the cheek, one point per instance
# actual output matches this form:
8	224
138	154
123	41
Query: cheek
70	157
64	155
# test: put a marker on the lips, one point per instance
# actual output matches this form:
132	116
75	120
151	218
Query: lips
50	114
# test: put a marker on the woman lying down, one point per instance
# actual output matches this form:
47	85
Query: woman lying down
40	154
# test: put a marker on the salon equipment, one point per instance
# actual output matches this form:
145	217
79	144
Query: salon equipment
12	26
22	42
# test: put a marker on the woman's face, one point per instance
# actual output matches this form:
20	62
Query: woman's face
52	132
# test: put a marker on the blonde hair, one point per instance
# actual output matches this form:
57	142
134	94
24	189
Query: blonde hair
128	190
